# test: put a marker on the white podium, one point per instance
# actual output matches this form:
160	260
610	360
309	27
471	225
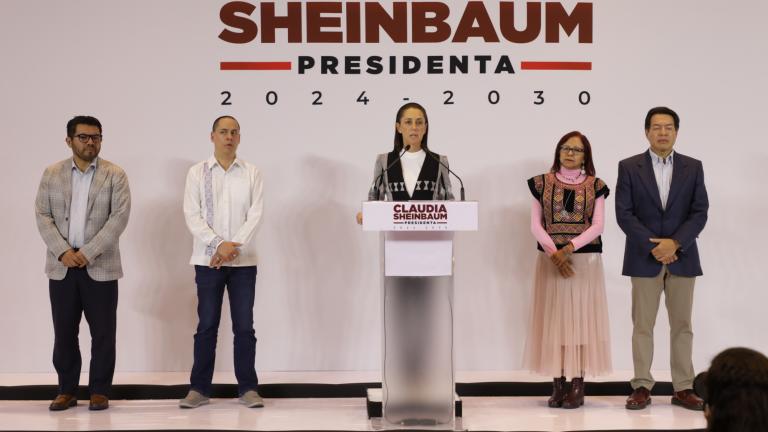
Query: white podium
417	367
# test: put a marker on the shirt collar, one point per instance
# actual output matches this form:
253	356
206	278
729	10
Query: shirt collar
94	163
212	163
656	159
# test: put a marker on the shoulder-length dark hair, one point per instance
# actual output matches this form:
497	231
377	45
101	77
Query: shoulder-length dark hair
589	166
399	138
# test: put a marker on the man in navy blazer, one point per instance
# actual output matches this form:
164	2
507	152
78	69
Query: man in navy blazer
661	205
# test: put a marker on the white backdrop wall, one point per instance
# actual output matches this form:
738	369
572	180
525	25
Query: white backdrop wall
149	70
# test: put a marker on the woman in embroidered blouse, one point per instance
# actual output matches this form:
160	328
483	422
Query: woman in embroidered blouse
569	334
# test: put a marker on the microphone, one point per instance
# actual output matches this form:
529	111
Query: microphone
432	155
376	181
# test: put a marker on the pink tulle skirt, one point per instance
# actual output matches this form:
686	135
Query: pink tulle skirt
569	333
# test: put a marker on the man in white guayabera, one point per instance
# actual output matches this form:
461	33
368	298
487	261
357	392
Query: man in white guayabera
223	209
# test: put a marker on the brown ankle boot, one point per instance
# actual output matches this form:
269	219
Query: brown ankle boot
558	393
575	397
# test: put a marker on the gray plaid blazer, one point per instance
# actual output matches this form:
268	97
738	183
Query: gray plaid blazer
109	203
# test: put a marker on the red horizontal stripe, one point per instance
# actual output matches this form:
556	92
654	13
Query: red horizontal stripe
533	65
256	66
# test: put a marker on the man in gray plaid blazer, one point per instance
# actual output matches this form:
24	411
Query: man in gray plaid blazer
82	207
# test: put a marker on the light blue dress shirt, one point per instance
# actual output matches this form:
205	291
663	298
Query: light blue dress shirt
662	170
81	185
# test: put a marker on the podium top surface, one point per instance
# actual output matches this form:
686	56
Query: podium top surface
420	215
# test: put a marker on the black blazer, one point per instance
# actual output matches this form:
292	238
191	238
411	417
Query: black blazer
641	217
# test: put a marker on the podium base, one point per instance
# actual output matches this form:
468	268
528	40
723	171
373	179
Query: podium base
373	404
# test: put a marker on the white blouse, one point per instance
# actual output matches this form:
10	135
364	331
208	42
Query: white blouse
412	162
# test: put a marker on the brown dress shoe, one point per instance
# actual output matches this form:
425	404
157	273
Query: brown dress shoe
558	393
639	399
62	402
98	402
688	399
575	397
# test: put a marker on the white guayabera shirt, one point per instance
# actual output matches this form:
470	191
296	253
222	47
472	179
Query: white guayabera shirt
222	206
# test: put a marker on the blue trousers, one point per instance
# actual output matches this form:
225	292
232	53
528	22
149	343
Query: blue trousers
240	283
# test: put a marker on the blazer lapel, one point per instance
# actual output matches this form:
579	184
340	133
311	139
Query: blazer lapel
679	173
649	179
66	183
99	177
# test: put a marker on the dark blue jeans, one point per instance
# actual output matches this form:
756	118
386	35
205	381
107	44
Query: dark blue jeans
240	283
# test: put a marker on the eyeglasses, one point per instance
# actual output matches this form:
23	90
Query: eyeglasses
84	138
571	149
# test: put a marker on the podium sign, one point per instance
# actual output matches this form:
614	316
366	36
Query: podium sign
420	216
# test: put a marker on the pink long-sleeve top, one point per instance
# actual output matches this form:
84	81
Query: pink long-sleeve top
568	176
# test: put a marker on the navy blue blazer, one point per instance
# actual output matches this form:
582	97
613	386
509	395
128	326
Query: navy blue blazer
641	217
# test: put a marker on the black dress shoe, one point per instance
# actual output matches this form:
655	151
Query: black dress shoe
98	402
62	402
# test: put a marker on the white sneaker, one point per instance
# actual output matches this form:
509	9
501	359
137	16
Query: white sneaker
251	399
194	399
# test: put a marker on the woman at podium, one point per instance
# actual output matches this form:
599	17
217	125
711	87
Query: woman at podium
411	172
569	334
417	319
